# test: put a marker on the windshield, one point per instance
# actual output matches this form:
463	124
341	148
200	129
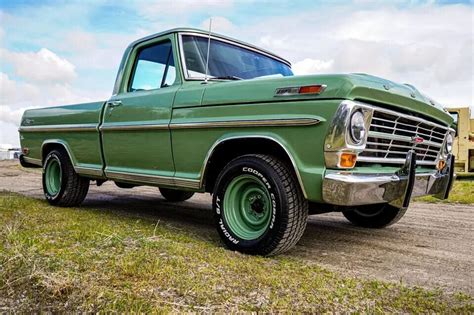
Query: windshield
228	61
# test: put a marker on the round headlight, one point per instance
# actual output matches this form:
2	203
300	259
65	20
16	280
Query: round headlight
449	143
357	127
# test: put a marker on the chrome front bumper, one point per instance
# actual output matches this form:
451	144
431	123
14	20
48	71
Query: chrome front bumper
346	188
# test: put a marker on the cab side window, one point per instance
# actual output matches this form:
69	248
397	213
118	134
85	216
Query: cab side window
154	68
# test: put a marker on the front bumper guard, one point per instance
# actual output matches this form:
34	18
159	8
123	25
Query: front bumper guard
346	188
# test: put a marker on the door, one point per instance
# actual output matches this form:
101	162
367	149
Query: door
135	126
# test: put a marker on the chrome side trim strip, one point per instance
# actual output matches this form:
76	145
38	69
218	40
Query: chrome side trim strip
215	124
128	127
247	123
88	171
58	128
192	125
140	178
153	179
218	142
187	183
33	161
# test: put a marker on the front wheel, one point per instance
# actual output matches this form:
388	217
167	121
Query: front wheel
374	216
258	205
62	186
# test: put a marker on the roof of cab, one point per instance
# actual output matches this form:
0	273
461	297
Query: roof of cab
199	31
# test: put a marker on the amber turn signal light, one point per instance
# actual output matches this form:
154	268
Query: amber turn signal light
347	160
311	89
441	165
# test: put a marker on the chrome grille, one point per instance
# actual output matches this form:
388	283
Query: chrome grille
391	136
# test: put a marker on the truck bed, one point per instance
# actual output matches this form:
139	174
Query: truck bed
78	125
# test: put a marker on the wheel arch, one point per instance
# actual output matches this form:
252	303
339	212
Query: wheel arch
226	149
51	144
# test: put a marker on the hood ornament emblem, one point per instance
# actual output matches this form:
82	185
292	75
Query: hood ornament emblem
417	140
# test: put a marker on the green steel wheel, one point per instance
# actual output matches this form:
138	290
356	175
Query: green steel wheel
53	176
62	186
259	207
248	207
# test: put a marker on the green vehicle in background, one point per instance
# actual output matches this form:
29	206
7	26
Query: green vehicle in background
198	112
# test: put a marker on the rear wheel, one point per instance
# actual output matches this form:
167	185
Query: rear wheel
175	195
61	185
259	207
374	216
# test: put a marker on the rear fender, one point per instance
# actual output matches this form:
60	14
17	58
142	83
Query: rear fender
48	145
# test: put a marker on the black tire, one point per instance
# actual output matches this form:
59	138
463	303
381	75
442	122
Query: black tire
374	216
72	187
175	195
288	208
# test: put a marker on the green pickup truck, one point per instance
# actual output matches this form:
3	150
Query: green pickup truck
193	111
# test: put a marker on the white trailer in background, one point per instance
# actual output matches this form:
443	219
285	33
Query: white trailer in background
9	154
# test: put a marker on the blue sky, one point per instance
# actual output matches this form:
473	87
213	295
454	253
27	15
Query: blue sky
55	52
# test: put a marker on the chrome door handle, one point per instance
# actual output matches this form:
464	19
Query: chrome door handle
112	104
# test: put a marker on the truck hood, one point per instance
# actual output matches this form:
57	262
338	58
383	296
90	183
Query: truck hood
359	87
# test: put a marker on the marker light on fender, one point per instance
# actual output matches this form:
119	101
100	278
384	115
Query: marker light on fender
311	89
300	90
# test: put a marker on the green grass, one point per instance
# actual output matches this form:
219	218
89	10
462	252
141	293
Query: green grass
71	259
462	192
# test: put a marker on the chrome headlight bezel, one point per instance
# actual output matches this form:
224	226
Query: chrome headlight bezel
338	139
357	128
448	145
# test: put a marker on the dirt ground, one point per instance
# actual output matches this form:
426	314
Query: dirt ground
432	246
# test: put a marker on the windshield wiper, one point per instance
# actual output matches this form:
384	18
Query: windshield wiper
227	77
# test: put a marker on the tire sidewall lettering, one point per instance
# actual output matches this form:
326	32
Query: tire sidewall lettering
227	233
274	205
252	171
218	205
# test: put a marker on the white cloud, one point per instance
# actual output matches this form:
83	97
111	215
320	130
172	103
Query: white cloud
311	66
9	115
13	92
41	67
9	135
220	24
90	51
181	7
79	41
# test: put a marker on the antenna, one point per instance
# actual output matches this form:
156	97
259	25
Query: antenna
208	49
